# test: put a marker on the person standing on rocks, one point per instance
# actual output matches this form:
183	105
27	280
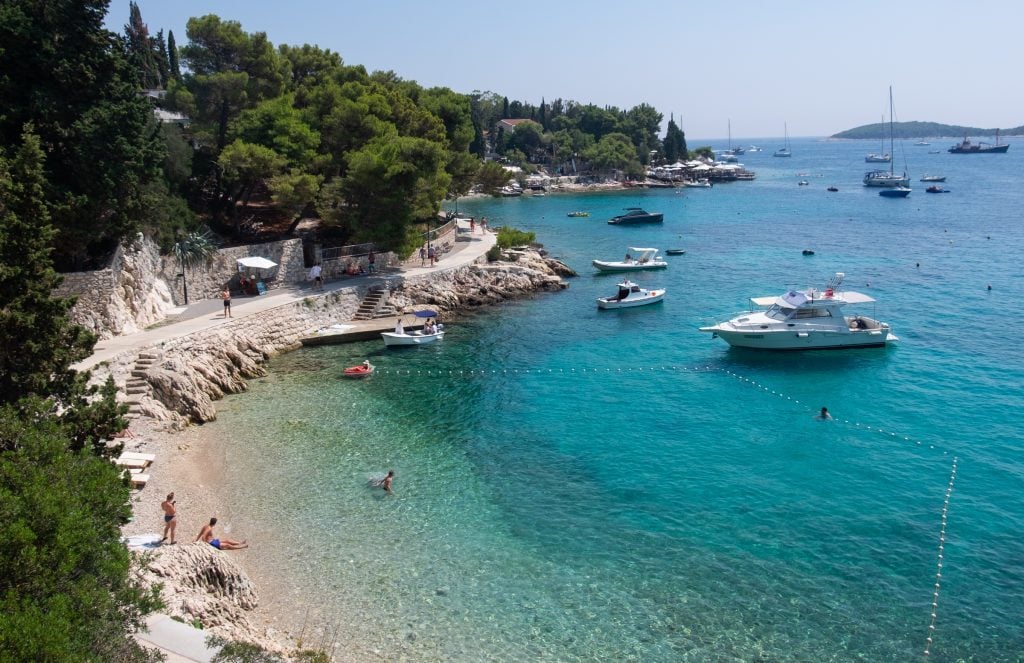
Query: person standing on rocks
170	517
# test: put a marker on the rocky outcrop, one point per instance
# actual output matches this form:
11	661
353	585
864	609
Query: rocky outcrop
124	297
200	584
524	273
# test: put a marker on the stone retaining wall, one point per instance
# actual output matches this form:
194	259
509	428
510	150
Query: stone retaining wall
205	281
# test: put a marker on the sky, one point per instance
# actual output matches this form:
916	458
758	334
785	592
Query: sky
817	67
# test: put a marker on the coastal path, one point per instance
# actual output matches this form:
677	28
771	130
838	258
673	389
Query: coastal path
208	313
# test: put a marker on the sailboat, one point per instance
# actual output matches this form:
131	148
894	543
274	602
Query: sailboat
784	151
898	186
730	155
881	157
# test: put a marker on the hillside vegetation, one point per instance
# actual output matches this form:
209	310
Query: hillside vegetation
917	130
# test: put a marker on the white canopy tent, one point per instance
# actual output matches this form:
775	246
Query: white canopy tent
255	262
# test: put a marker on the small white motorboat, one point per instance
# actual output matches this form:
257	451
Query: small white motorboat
418	337
629	295
428	334
636	258
805	320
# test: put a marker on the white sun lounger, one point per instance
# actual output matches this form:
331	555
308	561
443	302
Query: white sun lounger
139	480
135	455
132	462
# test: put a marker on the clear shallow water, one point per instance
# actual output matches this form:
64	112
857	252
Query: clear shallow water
555	502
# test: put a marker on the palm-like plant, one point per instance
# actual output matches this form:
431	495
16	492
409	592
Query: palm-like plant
193	250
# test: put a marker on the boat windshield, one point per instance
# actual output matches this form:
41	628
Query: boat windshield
776	312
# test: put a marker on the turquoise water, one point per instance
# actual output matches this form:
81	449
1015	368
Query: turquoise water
575	484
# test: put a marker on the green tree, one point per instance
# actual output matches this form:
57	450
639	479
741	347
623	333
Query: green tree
278	125
615	152
174	69
491	177
195	249
295	192
39	343
65	589
244	166
391	184
62	71
65	592
674	145
141	49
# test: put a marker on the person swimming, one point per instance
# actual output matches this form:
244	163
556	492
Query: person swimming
824	413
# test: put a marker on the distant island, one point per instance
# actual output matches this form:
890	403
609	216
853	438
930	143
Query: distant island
917	130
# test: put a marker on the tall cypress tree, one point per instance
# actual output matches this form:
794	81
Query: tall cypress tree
160	53
172	56
140	49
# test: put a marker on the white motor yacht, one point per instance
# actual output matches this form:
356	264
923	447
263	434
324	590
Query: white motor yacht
805	320
637	258
629	295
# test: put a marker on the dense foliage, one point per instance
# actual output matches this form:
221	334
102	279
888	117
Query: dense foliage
915	130
65	592
61	71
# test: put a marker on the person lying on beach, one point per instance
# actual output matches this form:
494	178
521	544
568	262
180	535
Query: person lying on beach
206	534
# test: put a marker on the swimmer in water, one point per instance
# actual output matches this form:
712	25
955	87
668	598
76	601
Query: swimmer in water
824	415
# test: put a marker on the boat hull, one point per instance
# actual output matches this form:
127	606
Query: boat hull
608	266
994	149
897	192
651	297
392	339
802	340
632	220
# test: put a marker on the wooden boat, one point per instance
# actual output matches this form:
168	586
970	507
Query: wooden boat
675	252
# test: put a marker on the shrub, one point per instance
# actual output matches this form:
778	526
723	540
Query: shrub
494	253
509	237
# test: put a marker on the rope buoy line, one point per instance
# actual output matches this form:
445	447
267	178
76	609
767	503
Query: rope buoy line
938	563
689	369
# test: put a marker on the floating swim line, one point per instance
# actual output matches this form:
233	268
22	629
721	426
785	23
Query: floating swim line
938	563
893	435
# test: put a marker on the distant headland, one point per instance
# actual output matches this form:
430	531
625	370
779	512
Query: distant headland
915	130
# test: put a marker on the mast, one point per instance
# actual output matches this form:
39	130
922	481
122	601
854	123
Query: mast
892	152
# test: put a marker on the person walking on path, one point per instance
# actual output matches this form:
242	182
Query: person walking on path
472	227
432	254
225	294
170	517
206	535
423	256
316	276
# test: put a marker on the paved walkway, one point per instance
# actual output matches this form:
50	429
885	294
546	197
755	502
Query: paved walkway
208	313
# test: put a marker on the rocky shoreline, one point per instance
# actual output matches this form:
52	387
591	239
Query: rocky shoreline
186	376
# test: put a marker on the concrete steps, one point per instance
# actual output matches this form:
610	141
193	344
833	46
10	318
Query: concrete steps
137	386
375	305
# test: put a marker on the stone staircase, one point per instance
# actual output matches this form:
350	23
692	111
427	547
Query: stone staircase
137	387
376	304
